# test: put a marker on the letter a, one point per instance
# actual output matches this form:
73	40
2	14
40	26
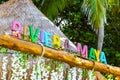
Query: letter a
92	54
103	58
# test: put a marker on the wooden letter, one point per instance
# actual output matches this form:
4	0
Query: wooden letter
16	27
83	51
56	41
33	35
48	39
42	36
97	53
25	30
92	54
103	58
66	45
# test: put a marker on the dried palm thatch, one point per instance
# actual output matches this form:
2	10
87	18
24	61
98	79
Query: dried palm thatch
26	12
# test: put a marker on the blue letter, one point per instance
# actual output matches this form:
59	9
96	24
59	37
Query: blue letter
103	58
48	39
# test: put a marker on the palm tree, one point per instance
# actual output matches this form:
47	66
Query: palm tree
96	12
94	9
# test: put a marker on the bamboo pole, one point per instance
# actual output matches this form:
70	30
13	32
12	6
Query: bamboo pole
29	47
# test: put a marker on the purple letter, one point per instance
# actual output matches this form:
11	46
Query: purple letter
42	36
66	45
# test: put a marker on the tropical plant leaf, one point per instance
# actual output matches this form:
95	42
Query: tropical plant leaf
51	8
96	12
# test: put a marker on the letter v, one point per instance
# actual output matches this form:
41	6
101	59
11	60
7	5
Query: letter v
33	35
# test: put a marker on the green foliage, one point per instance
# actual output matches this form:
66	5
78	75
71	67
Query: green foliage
76	28
112	35
95	10
85	73
51	8
2	1
23	57
3	50
109	76
49	68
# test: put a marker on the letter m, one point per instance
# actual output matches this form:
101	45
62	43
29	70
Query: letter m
83	51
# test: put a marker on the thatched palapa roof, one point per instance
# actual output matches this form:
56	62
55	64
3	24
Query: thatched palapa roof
25	12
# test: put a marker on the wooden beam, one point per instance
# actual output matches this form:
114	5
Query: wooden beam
29	47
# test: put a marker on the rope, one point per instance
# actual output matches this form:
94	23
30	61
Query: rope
43	50
42	54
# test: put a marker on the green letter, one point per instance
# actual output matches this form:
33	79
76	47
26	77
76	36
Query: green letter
92	54
33	35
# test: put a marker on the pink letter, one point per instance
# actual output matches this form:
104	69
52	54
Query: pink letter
83	51
16	26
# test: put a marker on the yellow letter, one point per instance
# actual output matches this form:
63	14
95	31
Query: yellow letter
97	53
56	41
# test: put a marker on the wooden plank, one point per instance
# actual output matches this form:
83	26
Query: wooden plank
29	47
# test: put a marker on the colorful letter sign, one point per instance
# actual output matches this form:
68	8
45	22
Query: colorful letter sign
56	41
97	53
16	27
33	35
42	36
83	51
103	58
66	45
92	54
48	39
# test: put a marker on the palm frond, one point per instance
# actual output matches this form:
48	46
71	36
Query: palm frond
51	8
96	12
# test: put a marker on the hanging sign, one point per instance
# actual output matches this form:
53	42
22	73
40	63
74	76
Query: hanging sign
53	41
